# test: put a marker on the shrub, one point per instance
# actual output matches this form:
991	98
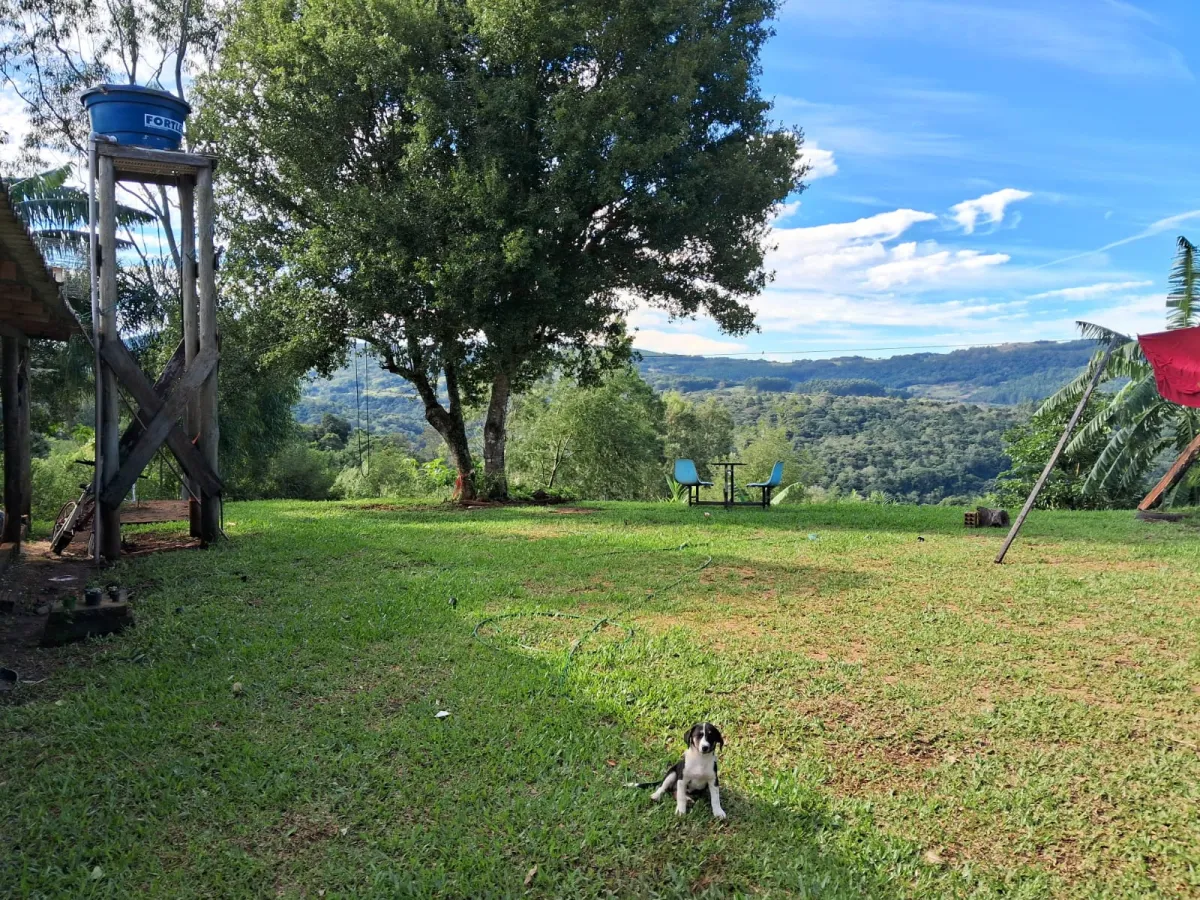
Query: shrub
57	477
299	472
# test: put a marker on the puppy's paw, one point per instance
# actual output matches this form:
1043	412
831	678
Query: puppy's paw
656	796
719	813
681	810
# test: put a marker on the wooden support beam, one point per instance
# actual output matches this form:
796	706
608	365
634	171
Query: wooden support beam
108	415
120	360
1062	442
162	387
144	161
191	325
14	502
206	290
1174	475
26	468
156	431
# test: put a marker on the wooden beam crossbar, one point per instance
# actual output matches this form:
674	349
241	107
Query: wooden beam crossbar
158	428
162	387
1174	475
156	413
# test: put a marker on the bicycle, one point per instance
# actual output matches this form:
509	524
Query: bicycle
74	516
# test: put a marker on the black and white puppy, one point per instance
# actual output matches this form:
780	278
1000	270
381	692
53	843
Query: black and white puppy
696	771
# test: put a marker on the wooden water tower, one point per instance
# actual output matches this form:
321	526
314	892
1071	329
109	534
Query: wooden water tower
135	135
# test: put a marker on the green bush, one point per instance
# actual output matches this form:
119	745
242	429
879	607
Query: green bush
58	476
299	472
390	473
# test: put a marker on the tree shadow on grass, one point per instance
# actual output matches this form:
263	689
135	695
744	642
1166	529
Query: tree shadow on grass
295	746
1114	526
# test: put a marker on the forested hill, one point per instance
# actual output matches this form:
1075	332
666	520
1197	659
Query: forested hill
869	425
1005	374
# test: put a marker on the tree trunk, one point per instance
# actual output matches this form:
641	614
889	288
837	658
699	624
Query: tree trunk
450	425
495	436
454	433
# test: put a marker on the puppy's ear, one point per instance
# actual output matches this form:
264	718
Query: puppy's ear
689	736
718	738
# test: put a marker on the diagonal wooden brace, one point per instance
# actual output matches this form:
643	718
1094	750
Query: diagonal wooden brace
152	405
1174	475
162	386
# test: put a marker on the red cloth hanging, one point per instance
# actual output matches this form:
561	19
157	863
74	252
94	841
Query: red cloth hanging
1175	357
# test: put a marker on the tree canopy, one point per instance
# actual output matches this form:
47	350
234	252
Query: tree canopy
480	190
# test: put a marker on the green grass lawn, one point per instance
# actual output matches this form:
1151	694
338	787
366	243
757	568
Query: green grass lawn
904	718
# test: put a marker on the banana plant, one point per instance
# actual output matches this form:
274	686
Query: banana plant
1140	424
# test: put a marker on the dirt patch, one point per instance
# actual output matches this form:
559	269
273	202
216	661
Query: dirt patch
28	587
32	584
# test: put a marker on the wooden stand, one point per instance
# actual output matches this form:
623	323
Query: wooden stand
187	388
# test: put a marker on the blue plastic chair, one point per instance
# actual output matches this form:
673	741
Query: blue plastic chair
686	474
770	484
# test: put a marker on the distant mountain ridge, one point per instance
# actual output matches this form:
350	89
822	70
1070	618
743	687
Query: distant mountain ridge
1003	374
1008	374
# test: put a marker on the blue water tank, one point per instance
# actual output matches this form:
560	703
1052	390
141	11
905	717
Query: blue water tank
140	116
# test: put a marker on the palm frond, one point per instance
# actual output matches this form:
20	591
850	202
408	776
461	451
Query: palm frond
1126	458
1132	401
1100	333
1127	361
1185	281
57	216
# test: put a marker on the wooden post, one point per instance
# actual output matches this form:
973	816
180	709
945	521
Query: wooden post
108	416
1062	442
191	328
26	474
13	501
210	510
1174	475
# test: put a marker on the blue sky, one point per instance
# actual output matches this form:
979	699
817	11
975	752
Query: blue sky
983	171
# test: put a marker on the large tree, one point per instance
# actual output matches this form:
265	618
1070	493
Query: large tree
481	188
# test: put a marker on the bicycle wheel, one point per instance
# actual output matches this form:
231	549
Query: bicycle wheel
63	529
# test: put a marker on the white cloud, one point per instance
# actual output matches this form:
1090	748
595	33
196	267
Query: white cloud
1165	224
823	256
818	238
820	161
878	280
786	210
796	310
675	342
909	264
856	256
1142	314
990	208
1091	291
